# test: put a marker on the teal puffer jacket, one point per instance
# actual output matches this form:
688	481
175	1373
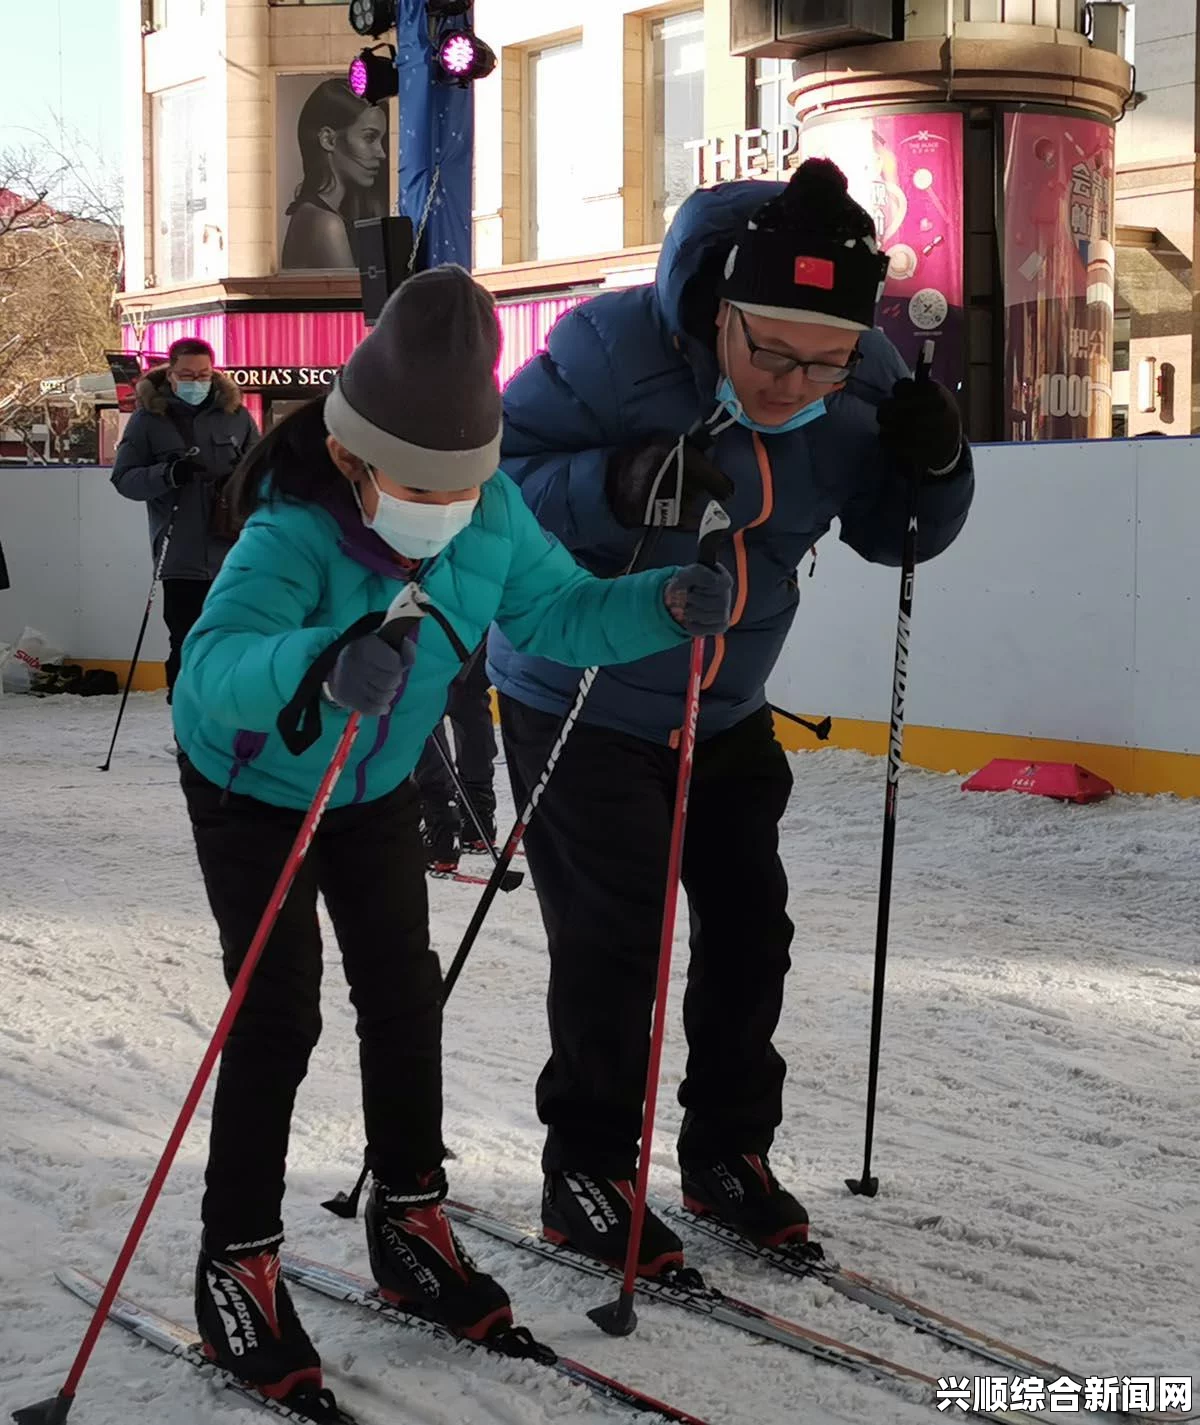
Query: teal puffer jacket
292	585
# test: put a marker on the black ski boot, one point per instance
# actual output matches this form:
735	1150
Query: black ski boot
420	1266
594	1215
441	848
742	1192
483	799
249	1327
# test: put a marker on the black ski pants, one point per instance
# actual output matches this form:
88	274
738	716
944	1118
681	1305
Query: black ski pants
597	851
183	599
469	709
369	864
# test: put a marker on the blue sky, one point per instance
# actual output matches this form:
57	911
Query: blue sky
84	85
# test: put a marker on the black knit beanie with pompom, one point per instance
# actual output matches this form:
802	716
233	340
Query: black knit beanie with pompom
808	255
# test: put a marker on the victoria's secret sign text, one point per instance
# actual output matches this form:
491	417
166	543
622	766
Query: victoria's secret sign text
302	379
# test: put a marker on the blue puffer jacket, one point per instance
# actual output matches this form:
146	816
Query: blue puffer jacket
625	366
297	579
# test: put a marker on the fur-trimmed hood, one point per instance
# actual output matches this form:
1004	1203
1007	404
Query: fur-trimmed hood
153	391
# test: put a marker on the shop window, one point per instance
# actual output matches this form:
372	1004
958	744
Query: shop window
770	80
1122	322
180	182
555	159
675	70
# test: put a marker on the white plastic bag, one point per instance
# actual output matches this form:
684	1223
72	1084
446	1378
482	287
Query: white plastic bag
33	651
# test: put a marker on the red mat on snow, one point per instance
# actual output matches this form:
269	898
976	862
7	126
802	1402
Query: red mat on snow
1066	781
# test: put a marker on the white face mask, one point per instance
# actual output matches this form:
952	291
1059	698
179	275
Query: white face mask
417	531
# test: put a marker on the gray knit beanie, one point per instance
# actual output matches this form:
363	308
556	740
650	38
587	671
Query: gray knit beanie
418	398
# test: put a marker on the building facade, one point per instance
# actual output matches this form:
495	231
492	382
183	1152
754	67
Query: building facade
1011	157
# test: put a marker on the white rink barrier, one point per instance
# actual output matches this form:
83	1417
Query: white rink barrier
1062	623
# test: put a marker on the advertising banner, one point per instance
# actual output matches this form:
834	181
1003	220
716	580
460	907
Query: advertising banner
331	166
907	171
1058	276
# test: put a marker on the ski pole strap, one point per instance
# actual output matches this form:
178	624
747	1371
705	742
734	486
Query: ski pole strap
299	723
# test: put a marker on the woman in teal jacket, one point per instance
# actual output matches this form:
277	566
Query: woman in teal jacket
390	482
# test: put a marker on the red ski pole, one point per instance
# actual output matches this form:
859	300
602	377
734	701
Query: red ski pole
618	1317
55	1410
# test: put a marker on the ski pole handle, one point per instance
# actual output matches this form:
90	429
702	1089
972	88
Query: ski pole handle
713	526
405	611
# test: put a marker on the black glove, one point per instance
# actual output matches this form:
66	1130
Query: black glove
633	471
184	469
700	597
920	423
369	674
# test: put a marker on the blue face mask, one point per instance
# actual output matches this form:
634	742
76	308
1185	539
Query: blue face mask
195	393
727	397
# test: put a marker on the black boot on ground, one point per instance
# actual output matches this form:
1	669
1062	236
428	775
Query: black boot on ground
420	1265
441	848
484	803
249	1327
594	1215
742	1192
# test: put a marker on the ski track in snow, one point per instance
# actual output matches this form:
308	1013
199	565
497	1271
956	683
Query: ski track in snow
1038	1142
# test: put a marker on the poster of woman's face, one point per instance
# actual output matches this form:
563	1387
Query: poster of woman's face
331	165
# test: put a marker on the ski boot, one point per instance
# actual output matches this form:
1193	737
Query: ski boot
594	1215
249	1327
420	1265
742	1192
441	848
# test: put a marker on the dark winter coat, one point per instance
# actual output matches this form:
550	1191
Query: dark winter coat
157	434
631	364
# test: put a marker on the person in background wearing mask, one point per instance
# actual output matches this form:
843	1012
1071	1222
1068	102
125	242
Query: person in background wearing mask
386	487
748	370
179	449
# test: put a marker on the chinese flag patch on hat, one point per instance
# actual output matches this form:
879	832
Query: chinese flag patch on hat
814	272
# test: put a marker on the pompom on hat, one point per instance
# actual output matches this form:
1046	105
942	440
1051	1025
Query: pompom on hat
808	255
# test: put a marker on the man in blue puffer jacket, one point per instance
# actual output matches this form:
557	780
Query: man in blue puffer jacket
749	370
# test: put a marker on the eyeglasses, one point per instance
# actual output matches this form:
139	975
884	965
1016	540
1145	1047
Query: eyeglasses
779	364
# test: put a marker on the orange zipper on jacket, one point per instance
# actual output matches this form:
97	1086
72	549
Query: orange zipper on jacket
739	553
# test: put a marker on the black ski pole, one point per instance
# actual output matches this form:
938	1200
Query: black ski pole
820	730
865	1185
511	879
137	647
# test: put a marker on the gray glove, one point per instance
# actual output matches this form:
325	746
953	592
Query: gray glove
369	675
700	597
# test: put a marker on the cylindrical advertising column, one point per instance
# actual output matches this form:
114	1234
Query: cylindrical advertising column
906	169
1058	234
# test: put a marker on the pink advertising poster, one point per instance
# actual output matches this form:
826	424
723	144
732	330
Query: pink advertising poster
906	170
1058	276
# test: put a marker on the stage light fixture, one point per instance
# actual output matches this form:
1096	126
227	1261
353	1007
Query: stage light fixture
463	57
372	17
372	76
446	9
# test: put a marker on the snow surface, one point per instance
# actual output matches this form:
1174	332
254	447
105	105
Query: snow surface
1038	1144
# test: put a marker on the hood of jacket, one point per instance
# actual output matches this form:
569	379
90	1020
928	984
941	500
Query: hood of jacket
154	391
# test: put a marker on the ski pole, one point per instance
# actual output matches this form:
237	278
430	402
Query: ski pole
54	1410
618	1317
865	1185
820	730
155	580
511	879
